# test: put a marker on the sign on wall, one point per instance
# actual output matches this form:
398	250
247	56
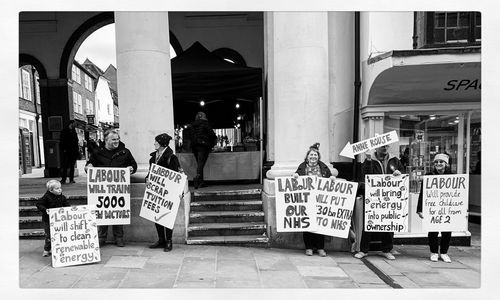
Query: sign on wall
108	192
163	194
73	232
334	206
295	205
386	203
445	200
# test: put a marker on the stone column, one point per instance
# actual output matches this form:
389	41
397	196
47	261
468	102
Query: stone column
297	48
144	81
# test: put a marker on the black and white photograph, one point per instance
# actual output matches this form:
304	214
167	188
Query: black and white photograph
233	150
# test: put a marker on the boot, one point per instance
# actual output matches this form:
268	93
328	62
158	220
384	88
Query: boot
119	242
168	246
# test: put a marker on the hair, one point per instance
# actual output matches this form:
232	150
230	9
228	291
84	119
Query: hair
51	184
314	148
110	131
201	116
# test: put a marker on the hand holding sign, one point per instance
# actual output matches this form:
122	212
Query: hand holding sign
350	150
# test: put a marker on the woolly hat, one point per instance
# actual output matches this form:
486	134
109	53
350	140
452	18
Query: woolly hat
163	139
441	156
315	146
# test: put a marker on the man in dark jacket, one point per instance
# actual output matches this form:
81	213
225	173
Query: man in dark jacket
69	152
380	163
113	154
203	139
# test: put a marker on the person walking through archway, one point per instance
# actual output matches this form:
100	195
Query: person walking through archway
69	152
203	139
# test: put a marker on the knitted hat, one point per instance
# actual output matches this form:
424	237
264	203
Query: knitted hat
163	139
315	146
441	156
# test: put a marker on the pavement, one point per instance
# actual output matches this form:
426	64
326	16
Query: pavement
219	267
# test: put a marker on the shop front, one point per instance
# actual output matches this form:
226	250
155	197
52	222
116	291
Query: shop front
231	97
432	99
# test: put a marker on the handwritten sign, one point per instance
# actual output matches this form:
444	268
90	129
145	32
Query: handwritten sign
73	232
445	200
386	203
163	194
108	192
350	150
295	206
334	206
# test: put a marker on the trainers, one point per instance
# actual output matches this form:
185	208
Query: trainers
434	257
46	253
360	255
446	258
388	255
309	252
321	252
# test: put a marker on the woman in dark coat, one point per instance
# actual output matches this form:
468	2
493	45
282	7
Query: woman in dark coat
164	156
313	166
437	250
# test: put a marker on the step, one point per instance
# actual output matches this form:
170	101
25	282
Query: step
241	240
29	211
224	205
249	194
32	222
226	216
73	200
226	229
31	234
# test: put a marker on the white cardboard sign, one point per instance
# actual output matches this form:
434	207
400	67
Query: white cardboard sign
386	203
73	232
108	193
445	202
163	194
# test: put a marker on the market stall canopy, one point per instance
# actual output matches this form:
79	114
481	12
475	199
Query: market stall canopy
199	74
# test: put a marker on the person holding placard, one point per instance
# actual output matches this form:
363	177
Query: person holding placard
313	166
380	163
113	154
164	156
51	199
437	249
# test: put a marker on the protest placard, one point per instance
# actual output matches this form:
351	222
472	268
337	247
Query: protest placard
108	193
295	206
445	200
73	232
334	206
163	194
386	203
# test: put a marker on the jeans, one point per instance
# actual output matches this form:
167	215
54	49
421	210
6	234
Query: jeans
103	232
445	242
201	155
314	240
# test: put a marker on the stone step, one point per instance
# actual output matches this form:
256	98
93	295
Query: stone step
239	240
226	229
29	211
31	222
73	200
226	216
249	194
37	234
225	205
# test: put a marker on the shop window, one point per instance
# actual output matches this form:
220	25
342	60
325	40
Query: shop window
444	29
421	137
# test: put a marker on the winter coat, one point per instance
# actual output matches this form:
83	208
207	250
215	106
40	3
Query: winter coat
69	144
116	158
202	134
167	160
420	196
323	168
49	200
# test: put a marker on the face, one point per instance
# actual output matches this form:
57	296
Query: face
313	157
112	141
157	145
440	165
381	151
57	189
